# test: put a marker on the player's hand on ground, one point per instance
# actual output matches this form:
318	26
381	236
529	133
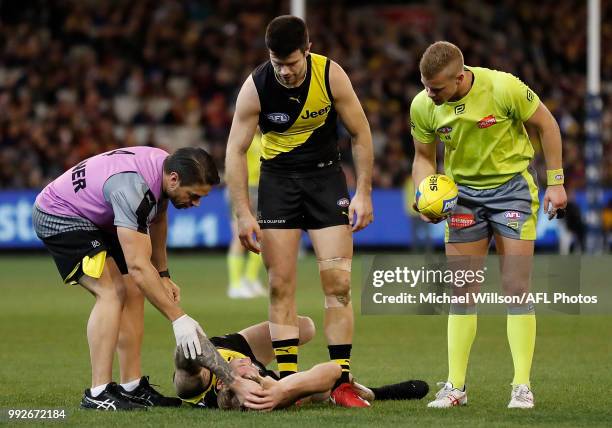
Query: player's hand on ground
249	232
555	201
173	290
250	394
186	331
360	212
425	218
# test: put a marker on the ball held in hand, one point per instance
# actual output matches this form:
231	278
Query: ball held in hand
436	196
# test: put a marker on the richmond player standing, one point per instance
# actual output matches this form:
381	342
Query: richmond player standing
295	98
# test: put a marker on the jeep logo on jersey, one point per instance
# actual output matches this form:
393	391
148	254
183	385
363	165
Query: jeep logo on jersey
344	202
278	117
444	130
486	122
312	114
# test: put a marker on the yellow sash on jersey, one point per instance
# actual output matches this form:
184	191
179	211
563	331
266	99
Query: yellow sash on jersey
313	115
228	355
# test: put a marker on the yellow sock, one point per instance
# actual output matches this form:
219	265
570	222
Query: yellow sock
521	337
235	264
461	334
286	352
254	263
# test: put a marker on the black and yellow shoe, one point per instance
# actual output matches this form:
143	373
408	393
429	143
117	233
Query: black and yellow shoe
110	399
146	395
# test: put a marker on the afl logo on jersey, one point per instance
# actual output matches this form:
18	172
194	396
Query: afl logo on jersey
278	117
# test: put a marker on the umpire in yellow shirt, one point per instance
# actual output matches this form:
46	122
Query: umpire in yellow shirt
481	116
244	277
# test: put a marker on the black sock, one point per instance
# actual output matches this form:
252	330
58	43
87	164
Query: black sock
341	354
412	389
286	352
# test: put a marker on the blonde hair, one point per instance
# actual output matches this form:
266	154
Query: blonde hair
227	400
438	57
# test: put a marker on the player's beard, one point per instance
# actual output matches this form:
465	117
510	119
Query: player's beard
178	205
297	79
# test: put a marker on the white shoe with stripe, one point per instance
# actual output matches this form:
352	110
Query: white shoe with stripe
521	397
449	396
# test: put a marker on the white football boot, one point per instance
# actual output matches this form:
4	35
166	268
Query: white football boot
242	291
521	397
257	289
449	396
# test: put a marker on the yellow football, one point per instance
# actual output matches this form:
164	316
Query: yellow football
436	196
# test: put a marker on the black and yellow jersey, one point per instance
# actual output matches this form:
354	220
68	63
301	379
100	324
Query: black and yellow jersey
298	125
230	346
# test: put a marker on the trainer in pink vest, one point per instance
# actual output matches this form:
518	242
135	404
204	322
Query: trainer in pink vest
78	192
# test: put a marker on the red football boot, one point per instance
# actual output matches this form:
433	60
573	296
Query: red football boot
345	396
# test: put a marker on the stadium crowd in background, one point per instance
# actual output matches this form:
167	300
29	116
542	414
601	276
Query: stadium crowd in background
78	78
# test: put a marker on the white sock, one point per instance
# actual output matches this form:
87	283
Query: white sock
96	390
131	385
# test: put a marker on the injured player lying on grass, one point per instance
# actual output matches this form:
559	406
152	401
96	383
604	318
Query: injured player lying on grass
250	350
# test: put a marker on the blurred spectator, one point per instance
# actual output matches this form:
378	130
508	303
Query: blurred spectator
78	78
607	225
572	230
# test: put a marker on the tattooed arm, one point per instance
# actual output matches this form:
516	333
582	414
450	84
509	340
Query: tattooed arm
250	394
212	360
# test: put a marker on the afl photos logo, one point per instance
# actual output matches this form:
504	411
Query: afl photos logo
279	118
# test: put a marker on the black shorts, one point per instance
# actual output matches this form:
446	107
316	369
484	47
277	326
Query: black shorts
237	342
303	202
69	248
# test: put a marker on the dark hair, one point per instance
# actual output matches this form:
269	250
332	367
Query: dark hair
193	165
285	34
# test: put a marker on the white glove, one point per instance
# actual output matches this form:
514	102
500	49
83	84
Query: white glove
186	333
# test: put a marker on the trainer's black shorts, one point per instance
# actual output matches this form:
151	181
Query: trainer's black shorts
69	248
315	201
237	342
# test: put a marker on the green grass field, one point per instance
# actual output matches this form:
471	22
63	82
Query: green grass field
44	359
